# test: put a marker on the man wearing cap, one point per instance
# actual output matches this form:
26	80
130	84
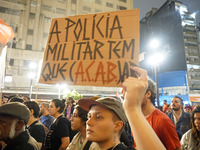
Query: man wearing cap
13	119
106	119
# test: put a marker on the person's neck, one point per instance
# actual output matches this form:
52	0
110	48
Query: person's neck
70	104
83	134
178	112
32	119
57	115
148	109
109	144
45	113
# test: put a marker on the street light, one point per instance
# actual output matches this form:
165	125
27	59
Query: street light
154	60
60	86
31	75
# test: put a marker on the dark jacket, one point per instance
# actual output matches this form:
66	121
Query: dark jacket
183	124
23	142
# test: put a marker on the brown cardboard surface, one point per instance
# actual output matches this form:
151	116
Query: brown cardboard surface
94	49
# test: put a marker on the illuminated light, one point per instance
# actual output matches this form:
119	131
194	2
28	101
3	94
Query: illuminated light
66	91
31	75
183	10
8	78
156	59
154	43
32	65
183	23
193	15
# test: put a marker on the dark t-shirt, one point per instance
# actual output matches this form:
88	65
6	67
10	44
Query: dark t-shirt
120	147
37	131
58	130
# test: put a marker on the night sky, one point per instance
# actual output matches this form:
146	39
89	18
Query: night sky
146	5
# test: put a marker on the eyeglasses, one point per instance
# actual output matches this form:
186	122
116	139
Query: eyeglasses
74	115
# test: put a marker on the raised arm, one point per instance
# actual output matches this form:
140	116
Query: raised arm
133	91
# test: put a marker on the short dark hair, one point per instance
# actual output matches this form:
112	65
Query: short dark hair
16	99
82	113
71	98
179	98
165	100
33	105
152	88
59	103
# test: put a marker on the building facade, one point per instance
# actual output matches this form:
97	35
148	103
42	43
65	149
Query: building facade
31	20
175	29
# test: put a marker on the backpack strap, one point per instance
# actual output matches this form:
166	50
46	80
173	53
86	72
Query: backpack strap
87	145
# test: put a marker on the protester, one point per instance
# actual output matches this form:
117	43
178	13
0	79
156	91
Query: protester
78	123
169	109
160	122
133	91
188	109
45	119
69	108
164	108
13	119
34	126
106	119
58	136
180	118
190	140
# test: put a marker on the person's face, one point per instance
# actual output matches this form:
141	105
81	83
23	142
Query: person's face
176	104
188	110
197	121
76	122
41	108
7	130
165	102
69	101
53	110
100	124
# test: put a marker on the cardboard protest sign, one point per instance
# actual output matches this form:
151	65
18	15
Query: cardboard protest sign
94	49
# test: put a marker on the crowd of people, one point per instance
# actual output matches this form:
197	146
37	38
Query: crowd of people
101	123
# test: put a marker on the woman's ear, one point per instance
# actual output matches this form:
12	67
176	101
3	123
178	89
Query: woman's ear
118	125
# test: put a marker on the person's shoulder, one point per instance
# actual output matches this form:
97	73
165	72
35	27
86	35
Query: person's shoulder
158	114
185	114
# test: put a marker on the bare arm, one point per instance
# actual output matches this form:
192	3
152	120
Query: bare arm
65	143
134	90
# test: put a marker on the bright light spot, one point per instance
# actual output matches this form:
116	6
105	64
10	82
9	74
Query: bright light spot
8	78
32	65
183	23
66	91
193	15
57	85
195	66
154	43
182	10
156	59
63	85
31	75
